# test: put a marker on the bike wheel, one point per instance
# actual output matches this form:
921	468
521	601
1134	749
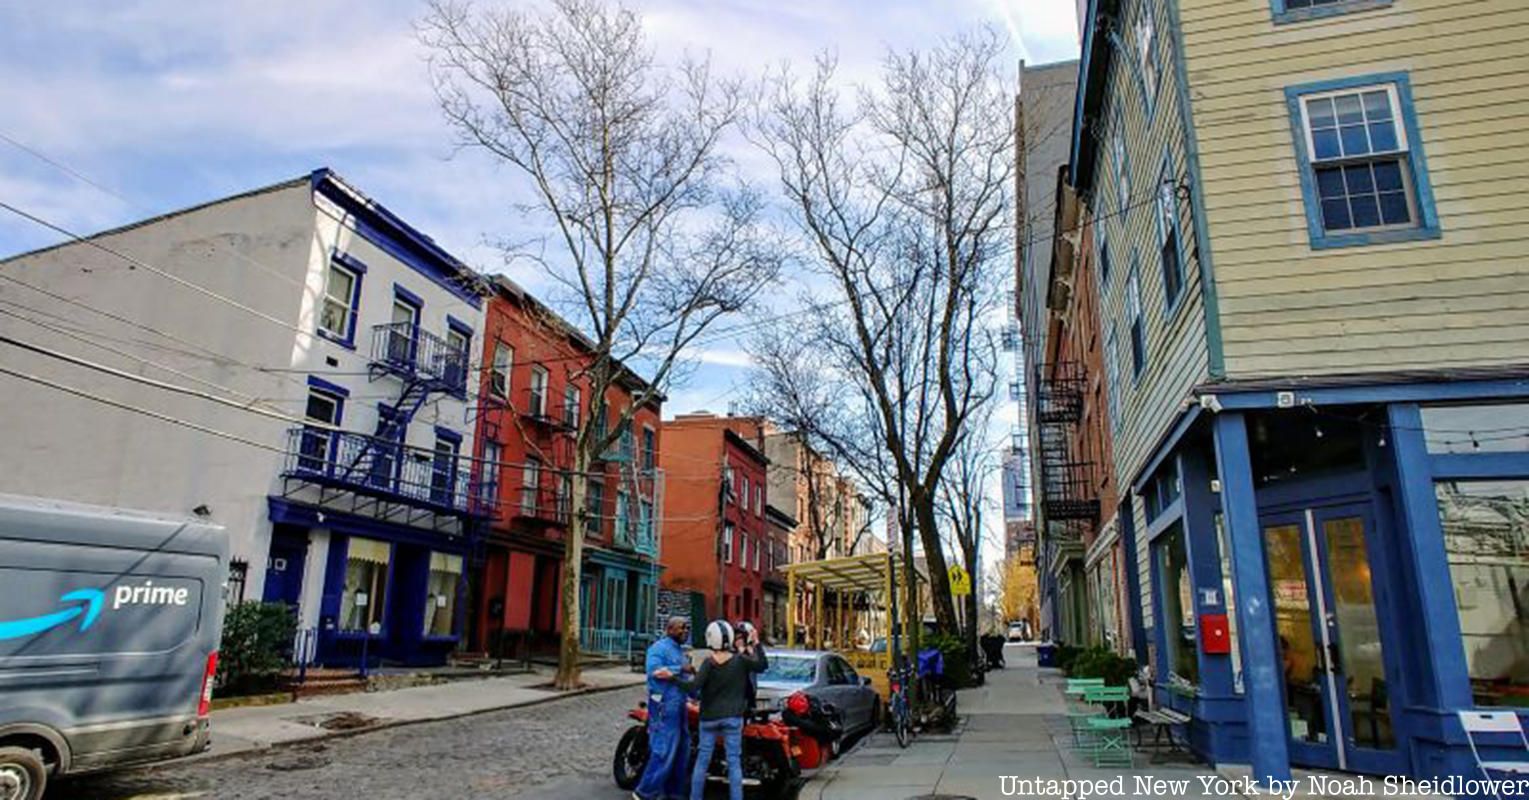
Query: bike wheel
631	758
902	727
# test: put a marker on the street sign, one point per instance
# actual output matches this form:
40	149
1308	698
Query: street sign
960	582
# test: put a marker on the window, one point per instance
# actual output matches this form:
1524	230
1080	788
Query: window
1146	51
366	583
758	500
1229	592
623	520
530	484
454	371
1496	428
314	448
1168	235
1104	259
743	493
571	406
499	374
1486	540
594	503
743	551
401	334
1298	10
1177	594
1112	374
443	471
537	401
342	290
649	449
758	546
645	523
727	544
626	442
1122	175
488	485
441	594
1362	167
1137	323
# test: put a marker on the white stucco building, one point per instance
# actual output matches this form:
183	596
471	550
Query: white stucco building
302	301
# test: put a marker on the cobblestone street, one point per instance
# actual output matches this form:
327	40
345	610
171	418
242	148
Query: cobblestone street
560	749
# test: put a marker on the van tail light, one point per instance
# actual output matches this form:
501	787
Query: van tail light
204	703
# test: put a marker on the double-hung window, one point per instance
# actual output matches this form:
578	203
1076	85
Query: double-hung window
1362	168
1104	259
1168	235
571	406
488	484
1122	174
536	403
530	492
727	543
1138	324
499	373
1146	50
1112	375
342	287
1298	10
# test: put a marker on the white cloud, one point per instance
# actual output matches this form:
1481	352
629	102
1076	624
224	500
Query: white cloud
724	358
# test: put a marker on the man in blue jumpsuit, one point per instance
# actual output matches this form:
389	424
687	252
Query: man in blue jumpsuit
668	771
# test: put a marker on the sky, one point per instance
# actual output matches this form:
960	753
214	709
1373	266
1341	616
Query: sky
115	110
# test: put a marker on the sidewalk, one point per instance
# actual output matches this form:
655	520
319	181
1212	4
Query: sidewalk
238	730
1014	730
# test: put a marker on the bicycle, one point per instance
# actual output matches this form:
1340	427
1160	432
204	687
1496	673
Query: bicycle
900	715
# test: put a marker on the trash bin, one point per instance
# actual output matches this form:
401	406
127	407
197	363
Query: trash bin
1045	655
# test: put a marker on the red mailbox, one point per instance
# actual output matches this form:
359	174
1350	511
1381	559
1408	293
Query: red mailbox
1215	638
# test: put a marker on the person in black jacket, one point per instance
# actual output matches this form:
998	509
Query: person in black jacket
722	683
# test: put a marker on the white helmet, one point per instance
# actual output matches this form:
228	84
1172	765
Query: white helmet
719	635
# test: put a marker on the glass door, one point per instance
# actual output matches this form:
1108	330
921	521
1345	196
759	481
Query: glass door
1336	697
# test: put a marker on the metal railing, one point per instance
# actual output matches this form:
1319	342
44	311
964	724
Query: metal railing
543	503
406	349
381	467
606	641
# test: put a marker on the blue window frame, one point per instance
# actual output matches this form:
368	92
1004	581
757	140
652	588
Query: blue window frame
1364	177
1169	244
326	404
1302	10
1144	34
1136	320
341	302
1112	375
443	468
459	337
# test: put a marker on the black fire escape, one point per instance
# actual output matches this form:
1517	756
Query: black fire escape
1068	498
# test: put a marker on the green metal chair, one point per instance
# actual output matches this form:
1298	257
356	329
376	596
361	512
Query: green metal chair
1110	741
1079	709
1102	729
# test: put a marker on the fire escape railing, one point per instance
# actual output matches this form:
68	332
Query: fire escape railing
1067	478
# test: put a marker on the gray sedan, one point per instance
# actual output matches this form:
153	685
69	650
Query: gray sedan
826	676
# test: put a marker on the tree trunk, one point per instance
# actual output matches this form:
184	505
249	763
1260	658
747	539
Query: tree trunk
939	581
568	672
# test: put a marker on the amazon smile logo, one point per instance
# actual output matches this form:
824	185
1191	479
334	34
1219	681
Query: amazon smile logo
86	604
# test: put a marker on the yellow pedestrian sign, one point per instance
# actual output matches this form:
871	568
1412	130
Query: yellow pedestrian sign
960	582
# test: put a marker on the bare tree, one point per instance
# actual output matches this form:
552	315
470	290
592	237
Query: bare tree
965	503
648	240
901	196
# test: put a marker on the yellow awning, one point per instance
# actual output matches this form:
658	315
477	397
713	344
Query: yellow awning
863	573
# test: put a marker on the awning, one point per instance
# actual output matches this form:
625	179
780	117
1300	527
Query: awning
863	573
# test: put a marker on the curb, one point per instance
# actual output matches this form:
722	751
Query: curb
263	749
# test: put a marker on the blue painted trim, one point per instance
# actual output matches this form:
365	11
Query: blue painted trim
348	344
1093	79
402	293
1422	548
1204	556
1283	15
612	559
397	238
1263	683
1141	79
1480	466
350	262
1165	448
448	434
1125	513
460	327
1417	164
1165	519
1418	392
332	388
1215	351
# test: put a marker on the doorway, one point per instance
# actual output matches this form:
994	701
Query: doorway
1330	637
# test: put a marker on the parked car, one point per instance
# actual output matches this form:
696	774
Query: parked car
1016	631
108	638
827	677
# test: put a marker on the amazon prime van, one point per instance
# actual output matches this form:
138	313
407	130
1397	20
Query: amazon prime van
109	625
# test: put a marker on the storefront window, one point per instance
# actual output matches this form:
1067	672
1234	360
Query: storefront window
441	593
1476	429
1486	538
1229	592
1177	588
366	583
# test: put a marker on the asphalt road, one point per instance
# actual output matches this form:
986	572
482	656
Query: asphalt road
561	749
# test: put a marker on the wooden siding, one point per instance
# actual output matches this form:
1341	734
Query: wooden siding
1177	355
1286	309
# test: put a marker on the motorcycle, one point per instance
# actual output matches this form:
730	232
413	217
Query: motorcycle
775	751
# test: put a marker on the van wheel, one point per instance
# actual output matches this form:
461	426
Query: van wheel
23	776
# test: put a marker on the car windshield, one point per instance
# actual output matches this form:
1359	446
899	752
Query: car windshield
790	669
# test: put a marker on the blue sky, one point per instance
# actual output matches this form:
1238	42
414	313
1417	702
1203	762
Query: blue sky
161	104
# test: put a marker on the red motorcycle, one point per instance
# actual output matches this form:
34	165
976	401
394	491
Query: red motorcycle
774	753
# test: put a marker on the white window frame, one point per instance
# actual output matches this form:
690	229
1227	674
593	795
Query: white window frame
500	370
530	489
1145	29
349	303
727	543
1403	150
572	399
537	391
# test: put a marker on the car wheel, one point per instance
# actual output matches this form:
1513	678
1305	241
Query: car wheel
23	775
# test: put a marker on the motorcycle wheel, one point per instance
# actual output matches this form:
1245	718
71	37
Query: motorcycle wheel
631	758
